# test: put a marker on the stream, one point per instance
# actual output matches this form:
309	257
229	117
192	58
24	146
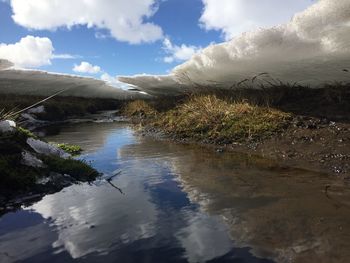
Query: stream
171	202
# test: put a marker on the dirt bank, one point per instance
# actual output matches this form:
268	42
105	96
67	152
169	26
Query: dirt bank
301	127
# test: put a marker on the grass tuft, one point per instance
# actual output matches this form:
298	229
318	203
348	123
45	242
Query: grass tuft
139	109
209	117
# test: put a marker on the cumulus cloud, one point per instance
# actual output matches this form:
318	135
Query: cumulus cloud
313	48
30	51
178	53
86	67
126	20
233	17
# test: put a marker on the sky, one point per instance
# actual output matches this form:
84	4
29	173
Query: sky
109	38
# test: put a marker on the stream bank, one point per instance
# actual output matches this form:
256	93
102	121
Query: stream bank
296	126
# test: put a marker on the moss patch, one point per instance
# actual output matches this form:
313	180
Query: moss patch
26	133
69	148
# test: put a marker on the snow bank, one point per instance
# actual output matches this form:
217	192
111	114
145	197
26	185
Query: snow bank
42	83
312	49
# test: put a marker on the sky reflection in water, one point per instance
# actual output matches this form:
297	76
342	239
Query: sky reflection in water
154	221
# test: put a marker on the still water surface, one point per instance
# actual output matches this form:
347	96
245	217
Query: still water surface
179	203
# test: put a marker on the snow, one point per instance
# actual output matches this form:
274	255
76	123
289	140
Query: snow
7	126
312	49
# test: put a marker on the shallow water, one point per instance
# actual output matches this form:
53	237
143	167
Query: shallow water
179	203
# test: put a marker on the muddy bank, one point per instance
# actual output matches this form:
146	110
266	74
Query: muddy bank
300	127
311	143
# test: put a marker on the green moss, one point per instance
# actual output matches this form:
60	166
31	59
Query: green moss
78	169
25	133
69	148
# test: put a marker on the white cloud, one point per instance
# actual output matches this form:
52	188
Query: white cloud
233	17
126	20
30	51
178	53
64	56
312	49
86	67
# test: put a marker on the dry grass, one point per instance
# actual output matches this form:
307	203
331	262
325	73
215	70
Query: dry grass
212	118
58	108
139	109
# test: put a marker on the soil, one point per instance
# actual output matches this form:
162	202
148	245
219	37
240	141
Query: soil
312	143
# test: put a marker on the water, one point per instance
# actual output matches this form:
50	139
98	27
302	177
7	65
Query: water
179	203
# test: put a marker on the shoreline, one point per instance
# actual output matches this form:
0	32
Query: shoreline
317	143
306	149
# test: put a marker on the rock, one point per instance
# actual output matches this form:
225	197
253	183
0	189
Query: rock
56	179
36	110
31	122
46	148
29	159
7	126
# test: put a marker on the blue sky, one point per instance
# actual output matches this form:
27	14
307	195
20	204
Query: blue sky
191	23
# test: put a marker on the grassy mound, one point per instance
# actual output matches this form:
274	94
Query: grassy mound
208	117
212	118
